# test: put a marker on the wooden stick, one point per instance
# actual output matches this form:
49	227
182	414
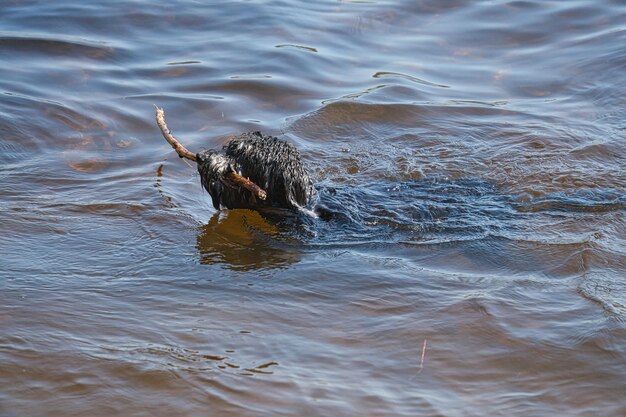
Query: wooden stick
185	153
421	367
167	134
423	356
248	185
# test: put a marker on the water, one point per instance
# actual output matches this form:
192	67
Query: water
472	155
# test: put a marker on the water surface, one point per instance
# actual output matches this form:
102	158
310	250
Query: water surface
472	153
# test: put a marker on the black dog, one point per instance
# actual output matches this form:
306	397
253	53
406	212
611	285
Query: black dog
254	172
271	163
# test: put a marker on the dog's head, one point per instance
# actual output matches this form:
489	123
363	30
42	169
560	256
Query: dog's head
214	168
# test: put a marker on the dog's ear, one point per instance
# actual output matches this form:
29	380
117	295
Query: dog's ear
216	201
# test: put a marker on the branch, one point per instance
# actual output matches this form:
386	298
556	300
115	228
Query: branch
167	134
248	185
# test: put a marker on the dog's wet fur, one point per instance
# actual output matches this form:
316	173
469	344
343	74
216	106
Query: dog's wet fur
271	163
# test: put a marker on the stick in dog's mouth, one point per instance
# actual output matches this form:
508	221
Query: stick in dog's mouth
186	153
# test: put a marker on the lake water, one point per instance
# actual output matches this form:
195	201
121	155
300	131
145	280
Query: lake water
474	152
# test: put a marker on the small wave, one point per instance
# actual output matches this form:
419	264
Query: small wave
184	62
56	46
388	74
605	290
302	47
592	202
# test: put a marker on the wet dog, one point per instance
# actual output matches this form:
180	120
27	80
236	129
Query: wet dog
252	171
271	163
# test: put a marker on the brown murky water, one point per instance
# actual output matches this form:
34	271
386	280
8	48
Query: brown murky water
473	152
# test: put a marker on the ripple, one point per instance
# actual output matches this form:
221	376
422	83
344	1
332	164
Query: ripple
388	74
302	47
591	202
607	290
59	46
250	77
468	157
184	62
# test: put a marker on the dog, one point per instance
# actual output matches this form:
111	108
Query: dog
271	163
253	171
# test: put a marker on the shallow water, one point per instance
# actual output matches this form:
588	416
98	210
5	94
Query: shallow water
472	154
